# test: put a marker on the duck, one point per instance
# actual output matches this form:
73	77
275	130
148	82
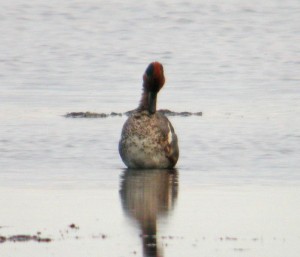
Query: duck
148	139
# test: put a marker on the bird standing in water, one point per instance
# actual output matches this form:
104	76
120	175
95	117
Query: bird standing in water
148	139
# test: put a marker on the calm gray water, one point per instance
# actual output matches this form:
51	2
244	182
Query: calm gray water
236	61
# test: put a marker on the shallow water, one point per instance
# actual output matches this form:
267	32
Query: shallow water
236	188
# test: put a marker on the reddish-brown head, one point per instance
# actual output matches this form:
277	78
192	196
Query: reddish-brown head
154	80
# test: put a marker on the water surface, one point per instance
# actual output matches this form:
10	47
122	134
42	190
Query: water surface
236	187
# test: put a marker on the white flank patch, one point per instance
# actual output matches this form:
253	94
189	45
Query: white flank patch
170	136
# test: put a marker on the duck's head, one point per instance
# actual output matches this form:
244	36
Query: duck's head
154	80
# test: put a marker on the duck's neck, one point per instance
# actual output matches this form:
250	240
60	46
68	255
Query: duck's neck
148	99
148	102
144	103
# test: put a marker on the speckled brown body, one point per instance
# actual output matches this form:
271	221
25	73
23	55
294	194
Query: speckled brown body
148	141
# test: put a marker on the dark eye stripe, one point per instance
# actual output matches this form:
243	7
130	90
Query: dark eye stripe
150	70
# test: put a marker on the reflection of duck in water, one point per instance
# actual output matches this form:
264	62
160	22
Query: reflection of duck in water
148	139
147	195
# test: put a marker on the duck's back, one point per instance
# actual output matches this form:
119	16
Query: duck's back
148	141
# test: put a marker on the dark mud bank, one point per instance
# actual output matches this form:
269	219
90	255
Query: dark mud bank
24	238
118	114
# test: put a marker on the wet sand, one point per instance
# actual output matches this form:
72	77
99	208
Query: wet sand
144	218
